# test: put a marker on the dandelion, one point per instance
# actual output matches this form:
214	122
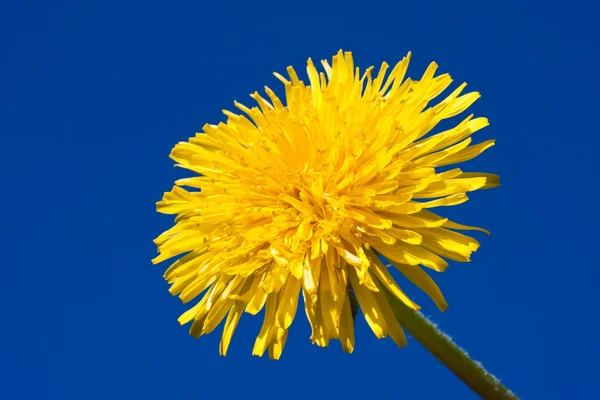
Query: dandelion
307	196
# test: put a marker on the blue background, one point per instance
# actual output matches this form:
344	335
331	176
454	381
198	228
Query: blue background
93	96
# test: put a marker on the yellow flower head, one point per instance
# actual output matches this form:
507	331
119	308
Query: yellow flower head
303	197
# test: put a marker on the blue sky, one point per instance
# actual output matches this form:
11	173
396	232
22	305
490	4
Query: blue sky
93	95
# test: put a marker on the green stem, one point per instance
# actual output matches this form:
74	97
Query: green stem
444	349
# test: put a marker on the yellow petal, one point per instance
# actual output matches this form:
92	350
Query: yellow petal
257	302
328	308
368	305
216	314
467	154
347	327
417	220
437	159
492	180
448	244
196	287
419	278
405	235
382	234
394	330
370	219
460	104
305	229
192	312
268	330
451	200
288	302
235	313
408	254
276	347
313	313
388	281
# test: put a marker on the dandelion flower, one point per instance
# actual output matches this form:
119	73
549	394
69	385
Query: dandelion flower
302	197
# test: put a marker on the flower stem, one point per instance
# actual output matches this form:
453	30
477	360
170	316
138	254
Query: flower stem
444	349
